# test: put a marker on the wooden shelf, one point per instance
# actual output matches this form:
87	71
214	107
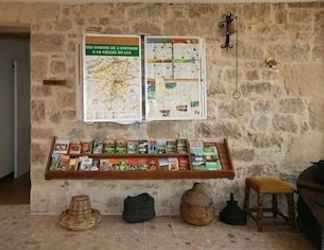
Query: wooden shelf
103	156
158	174
227	170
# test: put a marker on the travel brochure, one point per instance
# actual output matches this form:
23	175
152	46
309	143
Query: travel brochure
204	156
109	146
159	154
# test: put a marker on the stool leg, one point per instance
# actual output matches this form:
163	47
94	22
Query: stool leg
275	205
291	209
259	216
247	198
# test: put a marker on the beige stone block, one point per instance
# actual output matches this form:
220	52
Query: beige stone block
292	106
42	133
41	91
203	10
218	129
80	21
303	149
261	170
303	79
9	13
318	51
161	129
149	12
39	67
55	117
260	123
43	11
267	32
287	53
89	9
257	89
256	12
300	16
248	51
69	115
252	75
215	88
304	127
177	11
280	13
264	140
146	28
232	7
304	5
104	20
182	27
234	109
270	74
319	19
300	52
262	106
316	118
38	111
284	123
63	25
39	153
47	43
57	67
242	154
67	100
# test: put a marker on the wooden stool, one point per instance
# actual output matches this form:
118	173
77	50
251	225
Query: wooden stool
265	185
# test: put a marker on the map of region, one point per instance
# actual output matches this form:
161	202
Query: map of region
112	90
175	78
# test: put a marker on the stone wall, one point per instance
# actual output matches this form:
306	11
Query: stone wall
275	128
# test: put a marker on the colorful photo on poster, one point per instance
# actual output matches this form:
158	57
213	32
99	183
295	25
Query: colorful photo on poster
175	80
112	87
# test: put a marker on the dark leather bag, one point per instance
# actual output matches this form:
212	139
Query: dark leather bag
138	208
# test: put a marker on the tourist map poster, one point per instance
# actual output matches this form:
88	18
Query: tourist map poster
112	89
175	78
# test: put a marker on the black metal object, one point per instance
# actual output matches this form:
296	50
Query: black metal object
138	208
232	214
226	25
310	204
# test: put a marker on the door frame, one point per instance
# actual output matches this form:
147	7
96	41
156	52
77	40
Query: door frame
16	166
17	32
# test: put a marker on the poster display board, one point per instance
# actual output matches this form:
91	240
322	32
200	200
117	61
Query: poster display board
112	87
175	78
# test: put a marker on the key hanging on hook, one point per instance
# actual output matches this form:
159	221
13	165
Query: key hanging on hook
226	25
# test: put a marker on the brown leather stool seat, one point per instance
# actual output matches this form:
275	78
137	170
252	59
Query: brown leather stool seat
266	185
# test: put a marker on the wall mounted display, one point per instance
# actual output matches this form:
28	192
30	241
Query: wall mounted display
175	78
165	158
112	88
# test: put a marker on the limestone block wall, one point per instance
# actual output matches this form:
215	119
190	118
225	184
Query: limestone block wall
275	128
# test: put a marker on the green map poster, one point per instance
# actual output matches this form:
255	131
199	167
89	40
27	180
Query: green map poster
112	88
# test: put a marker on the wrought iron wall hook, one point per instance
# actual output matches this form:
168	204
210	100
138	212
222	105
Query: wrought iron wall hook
226	25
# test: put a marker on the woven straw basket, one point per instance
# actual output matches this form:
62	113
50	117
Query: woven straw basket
80	216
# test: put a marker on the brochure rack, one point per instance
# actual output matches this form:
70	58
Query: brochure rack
227	170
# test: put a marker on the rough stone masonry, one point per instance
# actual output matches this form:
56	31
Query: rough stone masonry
276	128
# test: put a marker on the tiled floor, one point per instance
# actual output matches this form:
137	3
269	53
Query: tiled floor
21	231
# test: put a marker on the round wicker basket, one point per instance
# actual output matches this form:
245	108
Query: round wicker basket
80	216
